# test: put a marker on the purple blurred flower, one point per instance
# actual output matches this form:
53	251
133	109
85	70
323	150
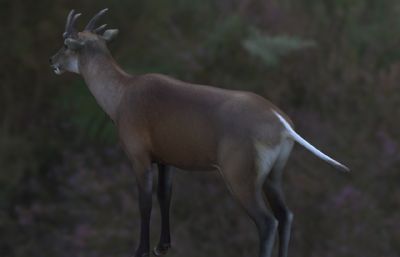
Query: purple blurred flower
349	195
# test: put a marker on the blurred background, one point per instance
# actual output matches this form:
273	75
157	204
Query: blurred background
66	188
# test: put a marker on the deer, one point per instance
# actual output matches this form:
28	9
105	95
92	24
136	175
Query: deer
165	122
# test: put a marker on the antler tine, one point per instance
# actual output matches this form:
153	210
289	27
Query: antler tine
76	16
69	27
100	29
69	17
91	24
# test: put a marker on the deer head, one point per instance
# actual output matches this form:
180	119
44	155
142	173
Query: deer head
76	44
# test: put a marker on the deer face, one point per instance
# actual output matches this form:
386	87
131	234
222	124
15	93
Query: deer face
75	44
65	59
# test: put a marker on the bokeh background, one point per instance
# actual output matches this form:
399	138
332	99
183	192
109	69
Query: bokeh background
66	188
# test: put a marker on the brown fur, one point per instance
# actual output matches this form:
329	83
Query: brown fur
184	125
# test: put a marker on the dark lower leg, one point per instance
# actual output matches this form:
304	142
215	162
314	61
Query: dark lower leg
164	193
145	202
251	199
282	213
267	226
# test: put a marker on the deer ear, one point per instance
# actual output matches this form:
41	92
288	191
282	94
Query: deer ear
73	44
110	34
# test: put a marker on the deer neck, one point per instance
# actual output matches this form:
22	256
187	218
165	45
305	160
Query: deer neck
105	80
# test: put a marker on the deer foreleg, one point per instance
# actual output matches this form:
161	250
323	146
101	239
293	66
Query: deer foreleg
164	193
145	185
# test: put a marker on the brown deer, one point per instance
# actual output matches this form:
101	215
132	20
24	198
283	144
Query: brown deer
169	122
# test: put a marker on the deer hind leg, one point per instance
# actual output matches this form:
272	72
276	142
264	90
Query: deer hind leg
240	172
275	196
164	192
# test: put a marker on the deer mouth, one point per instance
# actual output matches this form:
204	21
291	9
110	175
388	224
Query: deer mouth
56	69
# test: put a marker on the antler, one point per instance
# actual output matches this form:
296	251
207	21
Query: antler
69	26
100	29
70	31
92	23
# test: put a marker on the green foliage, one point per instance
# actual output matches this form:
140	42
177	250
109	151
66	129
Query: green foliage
270	49
15	156
222	40
85	115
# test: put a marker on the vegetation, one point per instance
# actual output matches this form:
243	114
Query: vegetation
66	188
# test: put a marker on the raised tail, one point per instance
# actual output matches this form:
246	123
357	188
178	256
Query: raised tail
296	137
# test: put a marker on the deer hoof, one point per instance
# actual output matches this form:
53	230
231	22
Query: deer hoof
161	249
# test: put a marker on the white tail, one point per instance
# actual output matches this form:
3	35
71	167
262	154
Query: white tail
296	137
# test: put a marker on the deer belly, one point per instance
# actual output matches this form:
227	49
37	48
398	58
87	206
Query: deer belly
191	150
